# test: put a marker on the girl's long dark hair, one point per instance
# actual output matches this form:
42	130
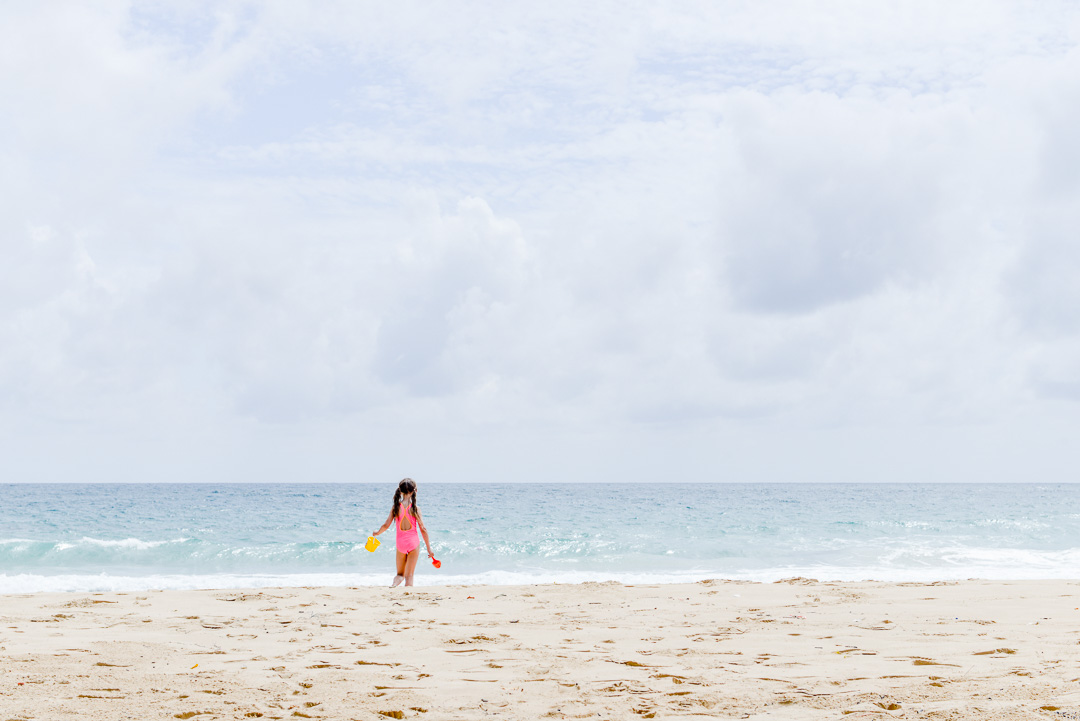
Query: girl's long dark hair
407	485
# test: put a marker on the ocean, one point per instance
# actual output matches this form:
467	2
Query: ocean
133	537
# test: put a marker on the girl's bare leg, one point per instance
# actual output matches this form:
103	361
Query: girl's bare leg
410	565
400	570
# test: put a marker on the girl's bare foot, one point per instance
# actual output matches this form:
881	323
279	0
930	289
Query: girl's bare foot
397	581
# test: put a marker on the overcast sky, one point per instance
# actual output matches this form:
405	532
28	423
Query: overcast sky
509	241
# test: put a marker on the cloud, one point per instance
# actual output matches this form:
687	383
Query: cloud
458	281
579	236
833	197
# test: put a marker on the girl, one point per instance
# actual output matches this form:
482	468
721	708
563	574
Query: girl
406	514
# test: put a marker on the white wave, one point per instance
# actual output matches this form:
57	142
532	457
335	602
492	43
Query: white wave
1022	524
135	543
1012	557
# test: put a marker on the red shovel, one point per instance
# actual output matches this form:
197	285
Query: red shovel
436	562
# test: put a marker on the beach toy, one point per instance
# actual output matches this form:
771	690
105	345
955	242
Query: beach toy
372	543
436	562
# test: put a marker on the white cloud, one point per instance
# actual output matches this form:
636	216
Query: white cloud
252	240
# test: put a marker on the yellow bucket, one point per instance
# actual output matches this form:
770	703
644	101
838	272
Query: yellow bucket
372	543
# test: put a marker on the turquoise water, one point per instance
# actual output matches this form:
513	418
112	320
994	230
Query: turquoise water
133	537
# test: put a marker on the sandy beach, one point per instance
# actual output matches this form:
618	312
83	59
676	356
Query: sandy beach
717	649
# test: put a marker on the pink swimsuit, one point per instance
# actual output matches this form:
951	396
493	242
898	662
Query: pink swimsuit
406	540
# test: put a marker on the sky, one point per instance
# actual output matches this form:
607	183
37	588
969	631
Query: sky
486	241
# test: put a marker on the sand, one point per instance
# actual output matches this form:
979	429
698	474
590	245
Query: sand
717	649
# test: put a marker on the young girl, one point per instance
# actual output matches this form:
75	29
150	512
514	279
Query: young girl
406	514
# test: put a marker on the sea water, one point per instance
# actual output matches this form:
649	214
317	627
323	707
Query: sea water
137	537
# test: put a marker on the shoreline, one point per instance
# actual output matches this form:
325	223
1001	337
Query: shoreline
798	649
121	584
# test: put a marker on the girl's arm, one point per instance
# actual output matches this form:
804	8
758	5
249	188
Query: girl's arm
389	520
423	532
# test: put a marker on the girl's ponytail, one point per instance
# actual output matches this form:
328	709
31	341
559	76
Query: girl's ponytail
397	504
